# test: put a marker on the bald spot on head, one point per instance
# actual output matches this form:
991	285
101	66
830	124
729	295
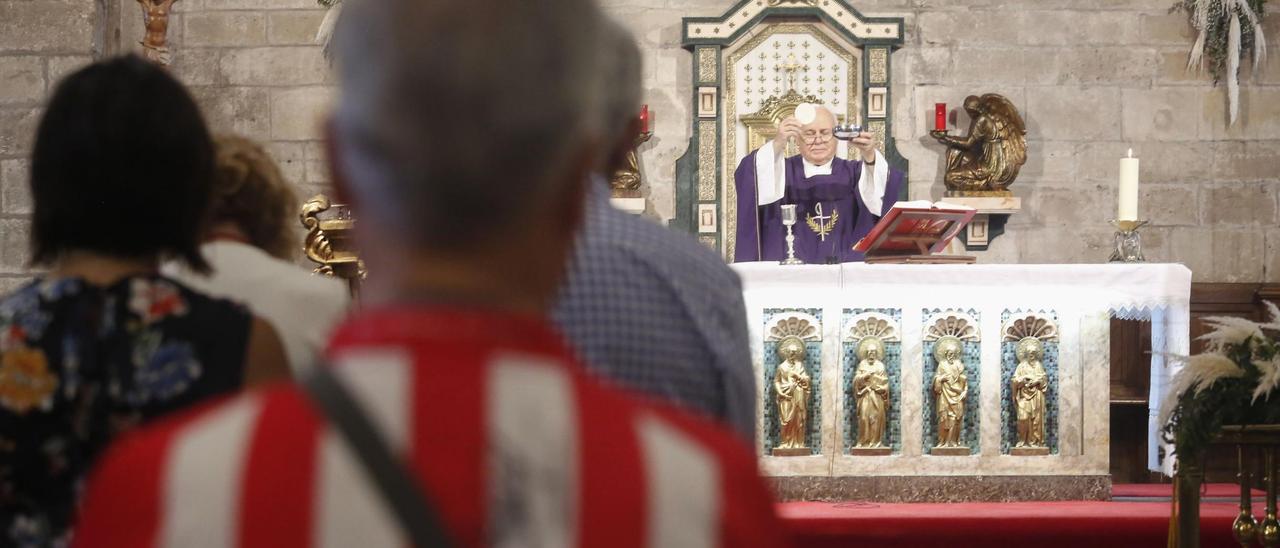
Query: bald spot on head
823	120
823	125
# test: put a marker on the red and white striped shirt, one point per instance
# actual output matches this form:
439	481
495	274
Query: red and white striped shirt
509	439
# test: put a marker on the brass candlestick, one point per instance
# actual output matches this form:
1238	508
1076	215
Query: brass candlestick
1128	242
789	220
330	242
1269	530
1245	526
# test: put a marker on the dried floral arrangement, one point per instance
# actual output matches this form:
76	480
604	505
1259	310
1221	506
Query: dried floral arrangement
1227	31
325	35
1232	382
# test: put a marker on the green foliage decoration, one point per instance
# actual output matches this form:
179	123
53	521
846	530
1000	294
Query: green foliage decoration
1200	415
1235	381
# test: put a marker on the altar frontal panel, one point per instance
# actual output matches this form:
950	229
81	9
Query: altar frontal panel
1035	414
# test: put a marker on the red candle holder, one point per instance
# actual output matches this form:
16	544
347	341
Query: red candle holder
940	116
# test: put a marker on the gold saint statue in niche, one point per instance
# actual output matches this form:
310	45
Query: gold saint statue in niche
871	394
1029	385
950	389
985	162
791	384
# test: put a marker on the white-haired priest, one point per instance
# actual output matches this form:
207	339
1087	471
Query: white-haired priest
837	201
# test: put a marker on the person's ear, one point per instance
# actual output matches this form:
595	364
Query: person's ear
342	192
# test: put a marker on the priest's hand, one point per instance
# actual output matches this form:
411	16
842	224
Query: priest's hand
866	144
788	129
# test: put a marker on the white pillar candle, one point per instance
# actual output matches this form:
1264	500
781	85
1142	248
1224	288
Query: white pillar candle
1128	201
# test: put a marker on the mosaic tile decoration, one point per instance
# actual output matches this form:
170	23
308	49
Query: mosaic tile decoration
972	367
892	365
813	363
1009	363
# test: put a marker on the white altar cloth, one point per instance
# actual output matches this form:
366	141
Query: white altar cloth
1159	293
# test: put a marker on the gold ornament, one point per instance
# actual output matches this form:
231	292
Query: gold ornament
330	242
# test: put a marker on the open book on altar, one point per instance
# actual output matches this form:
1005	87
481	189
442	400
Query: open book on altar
915	232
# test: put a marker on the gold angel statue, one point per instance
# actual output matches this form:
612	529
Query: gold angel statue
791	384
987	160
625	183
950	389
871	393
1029	385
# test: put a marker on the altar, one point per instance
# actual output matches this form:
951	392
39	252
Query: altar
819	315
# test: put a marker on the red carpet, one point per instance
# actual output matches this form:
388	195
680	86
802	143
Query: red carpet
959	525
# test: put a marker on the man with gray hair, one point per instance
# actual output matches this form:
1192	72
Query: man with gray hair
840	200
481	430
647	308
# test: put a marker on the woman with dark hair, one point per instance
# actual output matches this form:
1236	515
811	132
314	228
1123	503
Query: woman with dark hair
120	180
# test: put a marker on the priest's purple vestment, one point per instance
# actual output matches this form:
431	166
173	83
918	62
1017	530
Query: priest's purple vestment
831	215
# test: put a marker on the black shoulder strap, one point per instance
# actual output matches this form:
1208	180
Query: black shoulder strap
395	482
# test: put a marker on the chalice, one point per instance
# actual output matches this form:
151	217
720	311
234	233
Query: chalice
789	220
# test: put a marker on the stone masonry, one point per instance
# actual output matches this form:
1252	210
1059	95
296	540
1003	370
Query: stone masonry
1091	77
40	40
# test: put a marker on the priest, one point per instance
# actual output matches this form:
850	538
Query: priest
837	201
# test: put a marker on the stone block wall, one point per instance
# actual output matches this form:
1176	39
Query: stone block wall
40	41
1091	77
254	68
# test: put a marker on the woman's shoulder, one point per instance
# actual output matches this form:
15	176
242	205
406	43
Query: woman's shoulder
40	289
28	311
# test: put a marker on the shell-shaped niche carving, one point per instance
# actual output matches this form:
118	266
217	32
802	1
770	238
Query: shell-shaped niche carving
1035	325
872	324
951	324
796	324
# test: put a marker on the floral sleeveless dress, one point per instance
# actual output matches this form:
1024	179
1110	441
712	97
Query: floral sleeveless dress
81	364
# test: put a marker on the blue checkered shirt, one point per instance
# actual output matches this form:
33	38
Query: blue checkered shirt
659	313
